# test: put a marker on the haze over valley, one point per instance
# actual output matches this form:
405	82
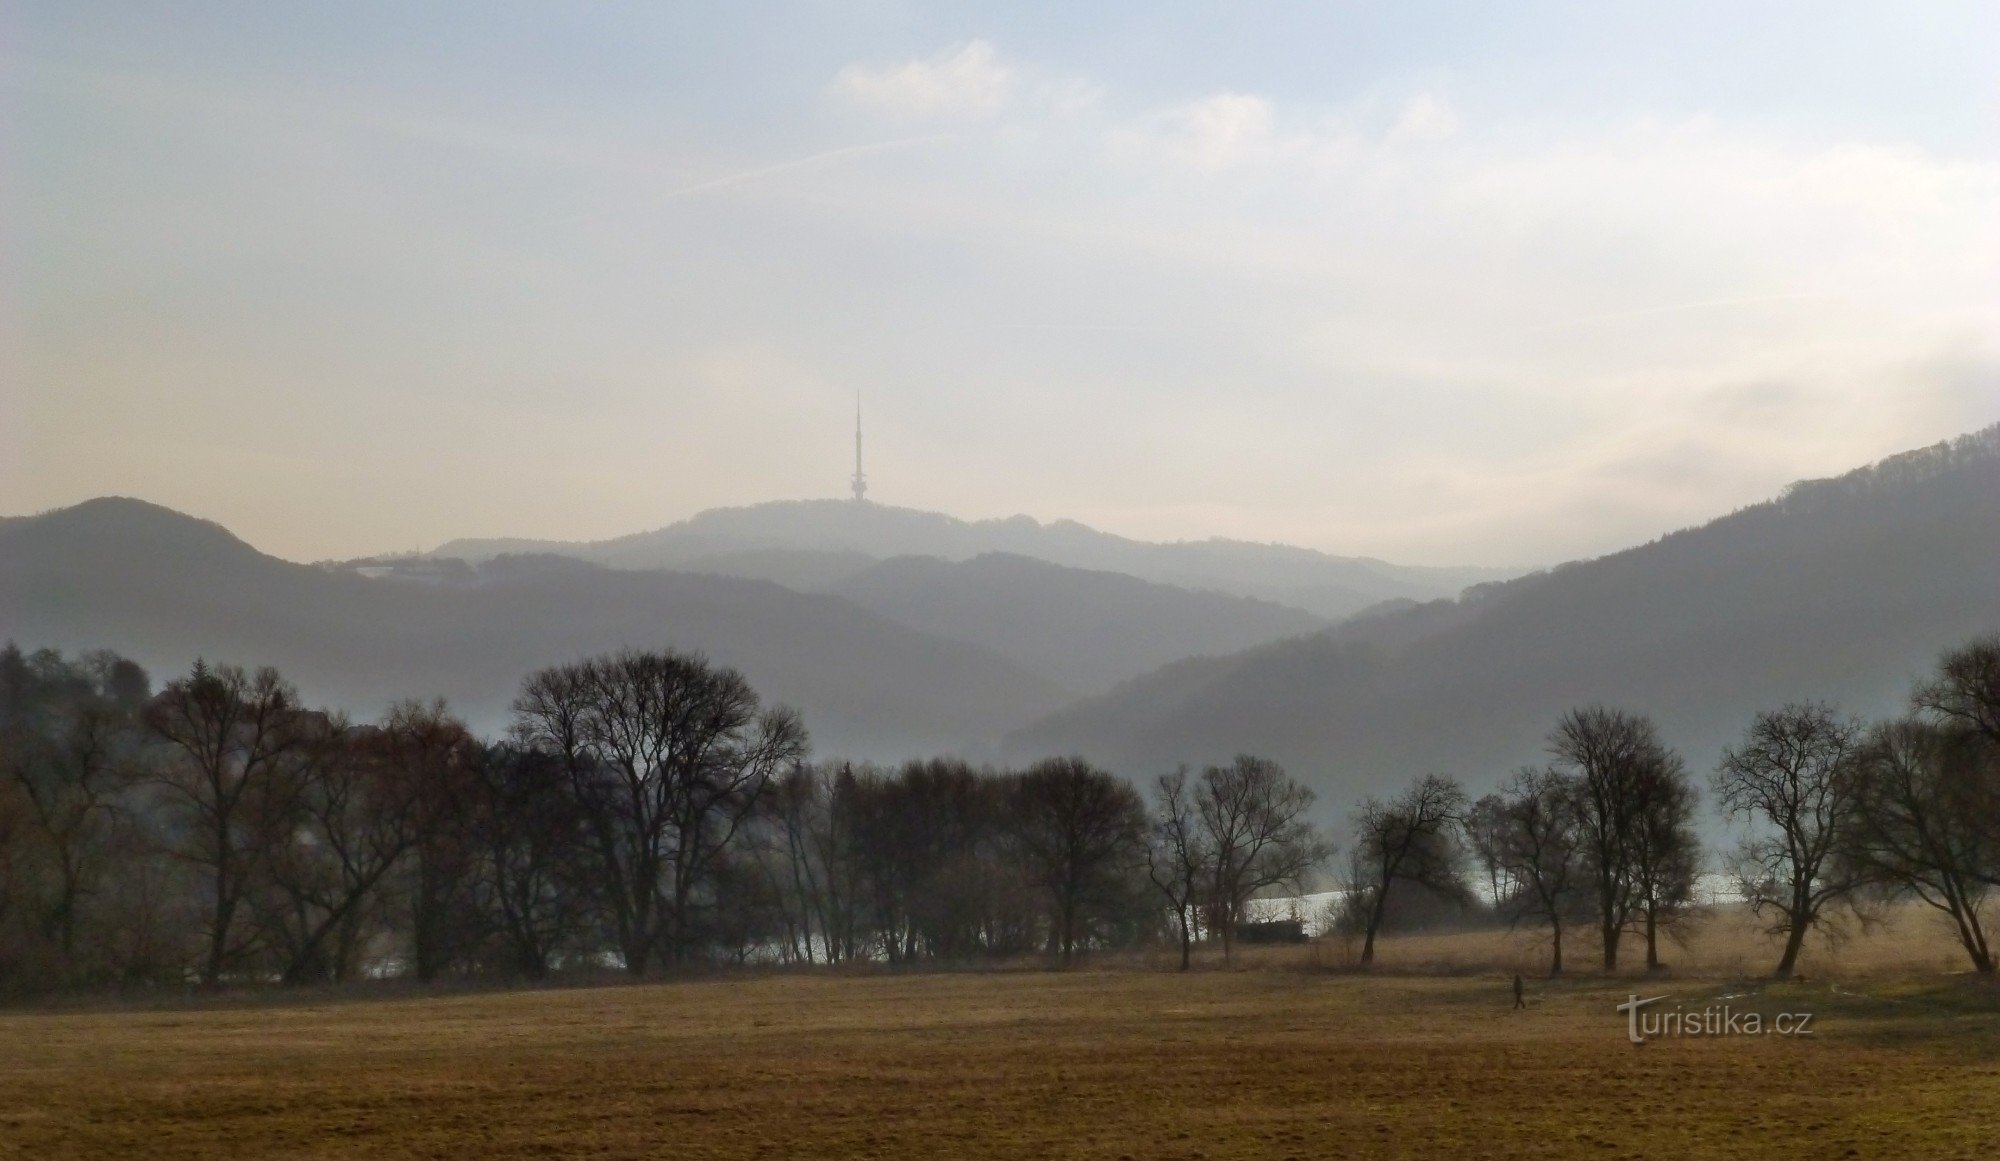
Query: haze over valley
899	633
1381	579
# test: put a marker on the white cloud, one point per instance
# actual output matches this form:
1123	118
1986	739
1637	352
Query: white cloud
1232	130
966	81
1427	117
1221	130
1366	324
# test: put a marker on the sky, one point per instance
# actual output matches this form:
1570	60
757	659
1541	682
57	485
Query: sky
1443	283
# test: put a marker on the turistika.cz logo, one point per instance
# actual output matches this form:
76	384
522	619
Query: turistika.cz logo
1713	1020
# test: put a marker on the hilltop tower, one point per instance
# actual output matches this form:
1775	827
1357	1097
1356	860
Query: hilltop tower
860	480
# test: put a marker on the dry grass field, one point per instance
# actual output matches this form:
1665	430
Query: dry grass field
1278	1056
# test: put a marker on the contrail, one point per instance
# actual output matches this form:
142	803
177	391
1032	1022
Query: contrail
153	94
802	162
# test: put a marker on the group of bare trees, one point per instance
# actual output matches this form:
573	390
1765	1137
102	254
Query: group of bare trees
1604	834
1841	817
221	830
939	860
1224	836
649	809
645	809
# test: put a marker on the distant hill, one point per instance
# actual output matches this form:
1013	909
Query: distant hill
1840	589
1087	629
758	540
164	588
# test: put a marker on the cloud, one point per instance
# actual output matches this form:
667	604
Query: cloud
1229	130
1367	323
1427	117
1221	130
966	81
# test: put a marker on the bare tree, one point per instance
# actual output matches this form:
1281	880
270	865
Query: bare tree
1794	777
812	813
232	738
339	827
1177	855
1914	830
1411	838
1962	698
669	756
1965	690
531	832
1256	834
1540	848
1081	831
431	759
68	742
1610	759
1665	850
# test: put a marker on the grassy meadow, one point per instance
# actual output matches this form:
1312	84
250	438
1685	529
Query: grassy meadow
1282	1053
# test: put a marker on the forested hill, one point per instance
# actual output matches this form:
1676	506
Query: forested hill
165	588
1841	589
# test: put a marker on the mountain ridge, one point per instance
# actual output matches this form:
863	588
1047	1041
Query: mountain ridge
1328	586
1841	588
165	588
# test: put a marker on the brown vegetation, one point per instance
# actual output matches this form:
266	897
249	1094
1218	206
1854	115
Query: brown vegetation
1274	1061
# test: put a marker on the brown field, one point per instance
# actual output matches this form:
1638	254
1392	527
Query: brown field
1280	1056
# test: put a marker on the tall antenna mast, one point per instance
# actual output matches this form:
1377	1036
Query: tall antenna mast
860	481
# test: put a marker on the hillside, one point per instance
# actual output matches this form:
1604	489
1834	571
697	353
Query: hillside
1083	628
1840	589
757	540
165	588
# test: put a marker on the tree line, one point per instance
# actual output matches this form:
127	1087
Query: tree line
1840	817
647	811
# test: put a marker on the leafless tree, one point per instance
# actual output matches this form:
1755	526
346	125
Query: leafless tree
1540	848
1081	831
531	833
432	759
68	742
668	756
1962	698
1177	855
1411	838
1665	850
1635	811
1965	690
811	810
1915	829
338	828
1256	834
1793	776
233	739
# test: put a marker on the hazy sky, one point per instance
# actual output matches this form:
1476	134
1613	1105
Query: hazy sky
1478	283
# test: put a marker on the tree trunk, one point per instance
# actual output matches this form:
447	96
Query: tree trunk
218	932
1793	941
1375	913
1611	930
1556	960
